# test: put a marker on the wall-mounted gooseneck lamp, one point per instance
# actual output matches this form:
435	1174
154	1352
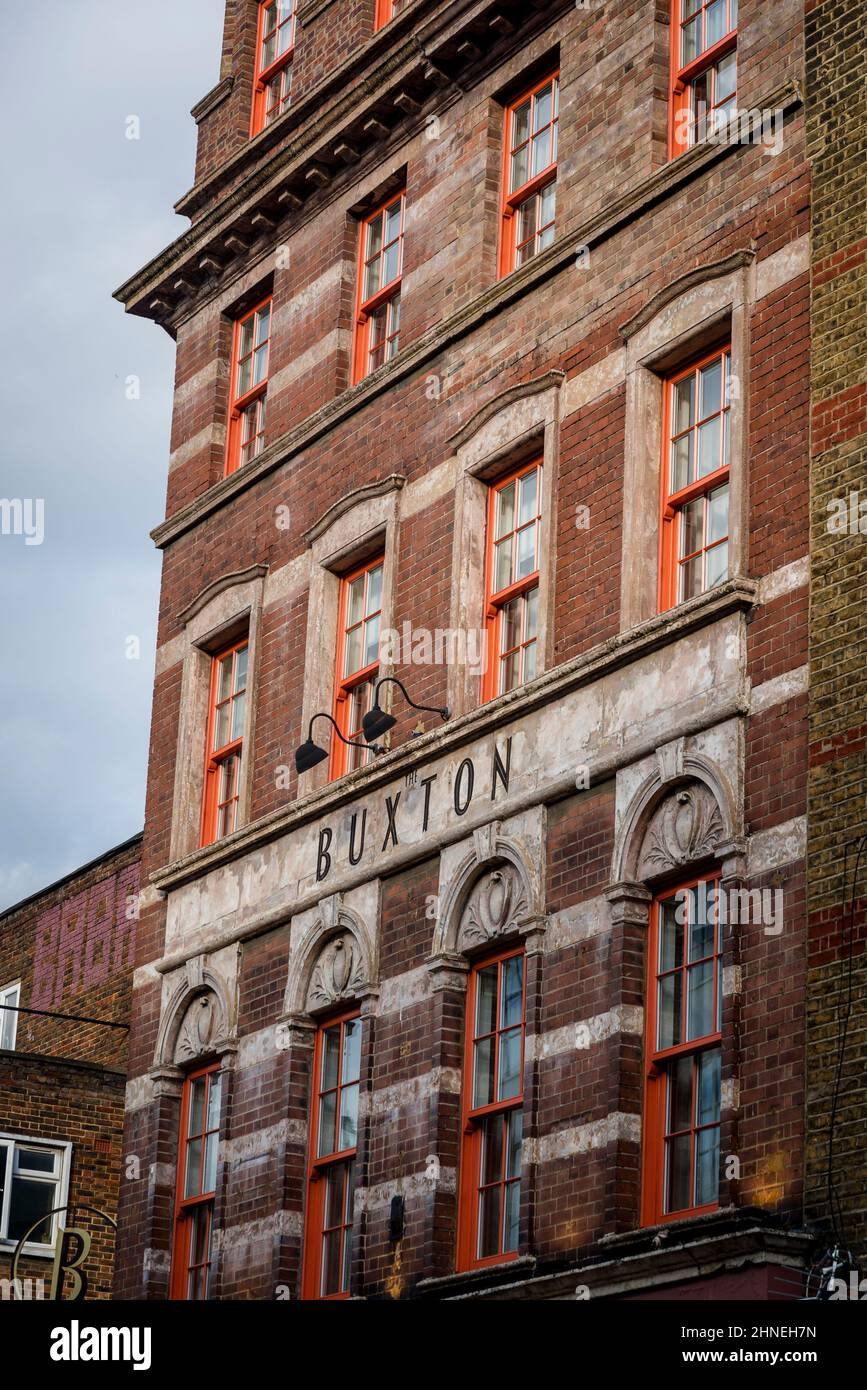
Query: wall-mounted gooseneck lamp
376	722
309	753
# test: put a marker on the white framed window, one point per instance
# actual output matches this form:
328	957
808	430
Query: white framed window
10	996
34	1178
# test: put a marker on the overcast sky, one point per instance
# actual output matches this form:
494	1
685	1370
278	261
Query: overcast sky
82	208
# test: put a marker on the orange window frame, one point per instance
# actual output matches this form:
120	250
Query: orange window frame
674	500
386	10
233	748
497	600
683	75
254	395
344	685
474	1117
514	199
199	1206
659	1061
279	67
315	1231
384	299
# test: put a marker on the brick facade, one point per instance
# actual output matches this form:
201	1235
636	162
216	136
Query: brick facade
837	787
72	948
641	729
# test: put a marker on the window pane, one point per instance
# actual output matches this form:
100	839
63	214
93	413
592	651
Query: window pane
699	1020
510	1065
531	614
355	602
669	1026
35	1161
671	935
726	77
690	579
224	679
526	551
529	671
391	263
371	641
215	1091
709	455
503	564
681	462
510	625
327	1121
510	672
352	651
710	390
706	1166
334	1195
374	590
541	156
707	1099
492	1149
489	1221
511	1003
30	1201
542	112
547	206
717	565
486	1000
505	511
196	1121
330	1058
527	509
718	515
692	527
238	707
701	926
348	1135
684	393
678	1162
511	1217
351	1051
680	1096
513	1144
192	1182
715	23
689	42
483	1072
209	1181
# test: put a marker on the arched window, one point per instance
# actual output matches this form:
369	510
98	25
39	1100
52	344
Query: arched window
683	1053
192	1262
493	1094
333	1149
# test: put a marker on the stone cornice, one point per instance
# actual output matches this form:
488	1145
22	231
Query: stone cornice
212	99
369	104
737	595
612	218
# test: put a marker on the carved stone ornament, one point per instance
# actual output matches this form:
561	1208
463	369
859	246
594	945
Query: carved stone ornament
202	1024
338	973
687	826
497	904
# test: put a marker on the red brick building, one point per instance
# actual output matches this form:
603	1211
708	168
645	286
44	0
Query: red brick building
493	377
66	957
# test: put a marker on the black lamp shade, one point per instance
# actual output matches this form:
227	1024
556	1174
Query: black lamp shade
376	723
308	755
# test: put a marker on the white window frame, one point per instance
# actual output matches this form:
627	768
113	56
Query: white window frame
10	1146
10	995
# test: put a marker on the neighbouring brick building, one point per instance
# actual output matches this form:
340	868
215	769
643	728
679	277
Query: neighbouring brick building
836	78
517	1005
66	957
